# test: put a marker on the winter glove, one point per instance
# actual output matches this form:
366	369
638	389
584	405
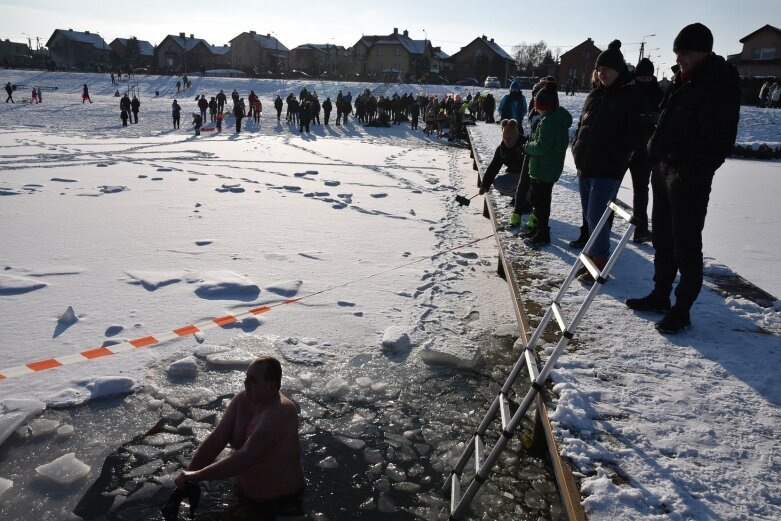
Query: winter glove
483	189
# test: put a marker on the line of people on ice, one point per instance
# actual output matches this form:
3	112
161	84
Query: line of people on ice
770	95
677	140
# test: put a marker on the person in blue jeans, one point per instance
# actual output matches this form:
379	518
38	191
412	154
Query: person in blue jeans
609	131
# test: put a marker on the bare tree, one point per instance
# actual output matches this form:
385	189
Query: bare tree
530	56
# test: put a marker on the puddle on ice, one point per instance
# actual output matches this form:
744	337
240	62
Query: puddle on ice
379	448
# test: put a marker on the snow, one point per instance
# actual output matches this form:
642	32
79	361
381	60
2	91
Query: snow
5	484
657	428
65	470
184	368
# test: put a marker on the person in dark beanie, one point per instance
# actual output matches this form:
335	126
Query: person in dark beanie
508	153
639	166
609	131
545	153
513	104
696	130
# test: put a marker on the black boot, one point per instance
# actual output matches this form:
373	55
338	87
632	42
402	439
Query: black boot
582	239
541	238
676	320
654	302
641	235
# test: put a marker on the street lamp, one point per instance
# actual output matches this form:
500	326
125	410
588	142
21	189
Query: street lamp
642	45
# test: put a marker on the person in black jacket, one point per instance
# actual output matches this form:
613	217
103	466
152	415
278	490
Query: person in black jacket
696	131
124	105
609	131
238	113
221	98
305	117
639	166
203	106
135	106
278	107
509	153
327	107
10	90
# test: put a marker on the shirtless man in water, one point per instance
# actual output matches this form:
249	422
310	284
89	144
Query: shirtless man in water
261	424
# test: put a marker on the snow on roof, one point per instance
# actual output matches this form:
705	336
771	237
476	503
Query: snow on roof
498	50
219	50
320	47
144	48
81	37
442	55
269	42
187	43
412	46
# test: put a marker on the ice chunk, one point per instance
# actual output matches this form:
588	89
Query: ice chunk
384	503
395	339
328	463
163	438
301	353
395	473
146	491
363	381
65	470
65	430
145	469
204	350
41	427
152	280
144	451
336	387
190	397
406	486
15	285
69	317
287	288
15	412
352	442
461	356
233	359
225	285
185	368
5	484
108	385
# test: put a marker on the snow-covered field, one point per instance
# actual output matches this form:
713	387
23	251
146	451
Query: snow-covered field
141	230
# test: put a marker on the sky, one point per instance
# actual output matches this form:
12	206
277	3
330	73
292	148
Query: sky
561	24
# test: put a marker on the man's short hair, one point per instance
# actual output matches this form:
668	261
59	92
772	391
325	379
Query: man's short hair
273	372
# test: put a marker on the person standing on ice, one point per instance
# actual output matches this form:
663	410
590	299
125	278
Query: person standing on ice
639	166
261	425
305	117
513	104
124	104
135	106
327	107
10	90
203	106
212	109
85	94
197	122
278	107
221	98
176	112
34	96
609	131
123	114
40	95
696	131
238	113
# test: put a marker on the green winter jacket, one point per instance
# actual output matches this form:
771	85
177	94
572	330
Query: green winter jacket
548	146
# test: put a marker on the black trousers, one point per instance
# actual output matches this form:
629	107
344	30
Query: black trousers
640	169
135	117
522	191
541	200
176	121
326	115
678	217
238	124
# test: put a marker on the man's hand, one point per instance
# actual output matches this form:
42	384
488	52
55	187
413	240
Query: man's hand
483	190
184	477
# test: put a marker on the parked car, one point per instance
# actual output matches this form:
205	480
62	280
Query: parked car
468	82
492	82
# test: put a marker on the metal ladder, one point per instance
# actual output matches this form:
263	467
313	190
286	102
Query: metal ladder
460	503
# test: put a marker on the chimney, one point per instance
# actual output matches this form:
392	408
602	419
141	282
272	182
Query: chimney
181	35
252	33
192	35
395	30
406	32
484	38
268	35
86	32
492	40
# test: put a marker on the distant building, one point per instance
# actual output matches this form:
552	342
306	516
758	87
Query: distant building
80	50
441	62
13	55
182	54
258	54
481	58
395	57
761	54
132	51
318	59
578	64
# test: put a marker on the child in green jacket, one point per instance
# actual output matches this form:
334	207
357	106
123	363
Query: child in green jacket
546	150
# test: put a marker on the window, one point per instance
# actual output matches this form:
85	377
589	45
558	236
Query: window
478	53
396	51
763	53
586	55
573	72
379	51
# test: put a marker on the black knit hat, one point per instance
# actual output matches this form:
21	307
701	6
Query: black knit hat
612	57
547	98
694	37
644	68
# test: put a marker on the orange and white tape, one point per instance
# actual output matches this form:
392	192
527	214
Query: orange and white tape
173	334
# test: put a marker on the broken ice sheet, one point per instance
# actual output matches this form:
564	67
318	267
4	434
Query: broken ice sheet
65	470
